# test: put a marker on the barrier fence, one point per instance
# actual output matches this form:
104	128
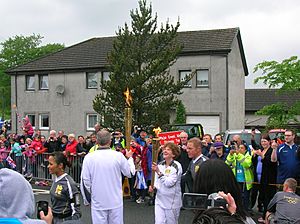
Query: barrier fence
37	166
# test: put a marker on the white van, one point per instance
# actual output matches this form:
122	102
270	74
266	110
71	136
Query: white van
244	133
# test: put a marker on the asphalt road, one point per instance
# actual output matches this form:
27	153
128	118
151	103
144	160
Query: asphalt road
133	213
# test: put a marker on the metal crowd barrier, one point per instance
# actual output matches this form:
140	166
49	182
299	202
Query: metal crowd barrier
39	166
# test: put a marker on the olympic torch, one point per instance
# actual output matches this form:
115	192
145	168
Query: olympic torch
155	151
128	117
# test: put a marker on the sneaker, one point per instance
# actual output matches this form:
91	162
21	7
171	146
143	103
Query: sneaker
140	201
29	178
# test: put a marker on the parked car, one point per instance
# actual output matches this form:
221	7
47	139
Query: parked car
244	133
193	130
277	134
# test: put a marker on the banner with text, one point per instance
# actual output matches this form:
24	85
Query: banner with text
171	136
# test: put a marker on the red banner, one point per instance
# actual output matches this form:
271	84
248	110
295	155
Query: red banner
171	136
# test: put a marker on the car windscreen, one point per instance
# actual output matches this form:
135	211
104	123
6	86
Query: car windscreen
246	137
276	135
191	130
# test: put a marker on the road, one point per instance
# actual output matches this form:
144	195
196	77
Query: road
133	213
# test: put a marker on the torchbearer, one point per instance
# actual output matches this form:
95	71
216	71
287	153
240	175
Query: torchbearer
167	184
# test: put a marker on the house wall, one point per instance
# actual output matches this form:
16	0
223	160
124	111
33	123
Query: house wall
67	111
236	93
212	101
204	101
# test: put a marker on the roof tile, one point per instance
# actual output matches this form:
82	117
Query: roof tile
92	53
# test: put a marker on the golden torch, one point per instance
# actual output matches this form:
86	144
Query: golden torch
128	117
155	151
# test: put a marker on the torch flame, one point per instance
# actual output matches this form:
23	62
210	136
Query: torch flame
157	131
128	97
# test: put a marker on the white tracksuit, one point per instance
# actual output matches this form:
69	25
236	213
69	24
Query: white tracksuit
101	184
168	197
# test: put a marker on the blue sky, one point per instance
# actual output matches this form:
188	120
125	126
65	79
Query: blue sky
269	28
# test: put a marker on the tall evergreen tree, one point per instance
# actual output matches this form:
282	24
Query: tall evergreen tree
180	113
140	60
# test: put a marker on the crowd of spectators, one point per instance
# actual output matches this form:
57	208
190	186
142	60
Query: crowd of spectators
258	169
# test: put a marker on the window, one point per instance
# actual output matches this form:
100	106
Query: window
183	75
31	119
202	78
44	121
43	82
30	85
91	80
91	121
105	76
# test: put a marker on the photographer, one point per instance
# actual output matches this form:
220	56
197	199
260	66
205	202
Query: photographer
136	131
240	161
118	139
216	215
52	144
17	200
215	176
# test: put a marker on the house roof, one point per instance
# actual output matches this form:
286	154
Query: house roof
256	99
92	53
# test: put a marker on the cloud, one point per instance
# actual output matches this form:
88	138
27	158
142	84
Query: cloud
269	28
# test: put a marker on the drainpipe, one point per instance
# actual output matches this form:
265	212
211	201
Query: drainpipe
16	102
227	94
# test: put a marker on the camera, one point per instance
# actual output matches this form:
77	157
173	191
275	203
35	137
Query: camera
42	206
232	144
202	201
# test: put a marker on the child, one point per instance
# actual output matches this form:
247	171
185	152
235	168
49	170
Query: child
29	154
17	150
27	127
140	183
3	154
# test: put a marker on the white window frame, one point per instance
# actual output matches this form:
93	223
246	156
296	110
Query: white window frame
27	81
198	73
91	128
41	127
43	80
88	75
182	75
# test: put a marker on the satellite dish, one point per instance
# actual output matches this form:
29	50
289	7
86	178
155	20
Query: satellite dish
60	89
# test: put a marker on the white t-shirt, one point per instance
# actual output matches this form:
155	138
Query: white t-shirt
101	177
